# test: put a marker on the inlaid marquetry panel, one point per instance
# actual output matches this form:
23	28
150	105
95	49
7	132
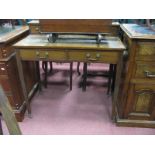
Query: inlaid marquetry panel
141	102
146	49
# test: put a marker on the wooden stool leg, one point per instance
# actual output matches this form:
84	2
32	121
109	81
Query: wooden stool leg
43	65
113	78
51	67
110	78
45	78
71	72
84	77
38	74
78	68
1	131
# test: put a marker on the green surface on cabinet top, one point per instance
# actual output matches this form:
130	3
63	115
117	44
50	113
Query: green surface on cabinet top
136	31
7	32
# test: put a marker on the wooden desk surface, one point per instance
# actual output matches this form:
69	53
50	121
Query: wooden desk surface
40	41
36	22
7	34
136	31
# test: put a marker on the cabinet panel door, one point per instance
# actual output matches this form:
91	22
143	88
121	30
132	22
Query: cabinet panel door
141	102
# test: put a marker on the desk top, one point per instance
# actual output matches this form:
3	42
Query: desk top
36	22
7	34
71	42
135	31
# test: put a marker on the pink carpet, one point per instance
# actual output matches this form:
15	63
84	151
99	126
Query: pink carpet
56	110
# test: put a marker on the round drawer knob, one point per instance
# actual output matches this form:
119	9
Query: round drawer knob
2	69
37	53
37	29
4	51
88	55
98	55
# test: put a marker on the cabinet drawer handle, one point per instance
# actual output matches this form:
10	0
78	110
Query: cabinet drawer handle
92	59
4	51
37	29
42	57
149	74
2	69
98	55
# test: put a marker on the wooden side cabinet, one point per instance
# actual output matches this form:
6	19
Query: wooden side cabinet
9	75
137	103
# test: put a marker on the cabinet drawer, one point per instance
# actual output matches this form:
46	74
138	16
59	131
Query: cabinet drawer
145	51
93	56
141	102
54	55
6	51
145	70
35	29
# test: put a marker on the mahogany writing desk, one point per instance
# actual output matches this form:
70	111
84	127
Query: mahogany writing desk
83	49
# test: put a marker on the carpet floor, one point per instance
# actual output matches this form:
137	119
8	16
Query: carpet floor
58	111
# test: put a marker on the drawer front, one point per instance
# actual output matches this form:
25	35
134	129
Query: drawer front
54	55
106	57
141	102
145	70
6	51
35	29
3	69
4	81
145	51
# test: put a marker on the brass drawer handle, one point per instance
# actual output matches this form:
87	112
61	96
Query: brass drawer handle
88	55
37	29
4	51
2	69
42	57
149	74
92	59
98	55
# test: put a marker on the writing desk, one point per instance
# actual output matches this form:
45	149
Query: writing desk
79	49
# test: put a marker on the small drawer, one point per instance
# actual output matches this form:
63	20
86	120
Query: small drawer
145	51
35	29
6	51
93	56
145	70
55	55
4	81
3	69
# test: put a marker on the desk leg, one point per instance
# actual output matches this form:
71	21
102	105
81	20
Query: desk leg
84	83
38	74
45	77
110	78
22	80
117	85
1	131
78	68
113	78
71	72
